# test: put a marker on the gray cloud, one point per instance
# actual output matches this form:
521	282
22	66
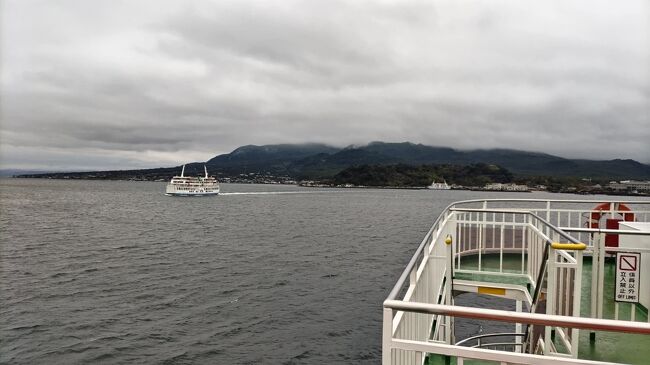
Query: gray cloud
109	84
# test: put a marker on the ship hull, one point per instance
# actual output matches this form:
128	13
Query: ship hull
439	187
192	194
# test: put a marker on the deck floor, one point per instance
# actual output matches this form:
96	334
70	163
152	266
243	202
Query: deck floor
612	346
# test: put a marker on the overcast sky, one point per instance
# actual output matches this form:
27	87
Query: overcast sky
126	84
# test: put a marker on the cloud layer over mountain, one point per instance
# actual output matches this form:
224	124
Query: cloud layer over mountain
109	84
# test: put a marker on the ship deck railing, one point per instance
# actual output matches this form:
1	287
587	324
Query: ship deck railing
488	340
513	248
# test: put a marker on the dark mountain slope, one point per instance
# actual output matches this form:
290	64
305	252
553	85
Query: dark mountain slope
323	165
317	161
271	158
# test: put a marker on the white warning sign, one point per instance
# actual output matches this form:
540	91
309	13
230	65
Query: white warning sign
627	277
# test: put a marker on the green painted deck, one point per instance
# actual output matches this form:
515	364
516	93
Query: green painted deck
608	346
611	346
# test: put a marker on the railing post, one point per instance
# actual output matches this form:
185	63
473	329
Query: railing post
595	274
548	216
387	336
601	273
577	296
413	276
518	327
550	297
449	279
452	223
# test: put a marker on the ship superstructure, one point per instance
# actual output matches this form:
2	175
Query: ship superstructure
439	185
575	275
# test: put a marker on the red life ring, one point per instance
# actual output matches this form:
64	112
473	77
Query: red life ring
606	208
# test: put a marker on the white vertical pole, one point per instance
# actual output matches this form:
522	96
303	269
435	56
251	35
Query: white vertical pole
518	327
386	351
523	246
548	218
449	333
479	240
550	298
460	236
561	290
481	235
595	268
601	273
453	230
501	246
494	234
514	228
577	298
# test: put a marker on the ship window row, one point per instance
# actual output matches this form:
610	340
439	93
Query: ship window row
192	189
195	184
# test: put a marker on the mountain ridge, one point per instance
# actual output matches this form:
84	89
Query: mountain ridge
317	161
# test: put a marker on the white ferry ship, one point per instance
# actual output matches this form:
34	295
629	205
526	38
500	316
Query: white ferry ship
439	186
192	185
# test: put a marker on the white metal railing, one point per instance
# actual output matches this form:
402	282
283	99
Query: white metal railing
491	231
563	284
571	213
482	229
462	352
575	217
427	283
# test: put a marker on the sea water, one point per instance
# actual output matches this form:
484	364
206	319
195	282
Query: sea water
117	272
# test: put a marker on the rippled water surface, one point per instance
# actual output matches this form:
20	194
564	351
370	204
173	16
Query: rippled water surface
117	272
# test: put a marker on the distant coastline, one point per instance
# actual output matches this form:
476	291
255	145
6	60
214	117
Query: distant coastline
400	165
318	184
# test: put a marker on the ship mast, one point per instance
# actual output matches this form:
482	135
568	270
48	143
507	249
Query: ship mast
183	171
206	171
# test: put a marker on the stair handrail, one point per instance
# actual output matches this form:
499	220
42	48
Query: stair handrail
538	289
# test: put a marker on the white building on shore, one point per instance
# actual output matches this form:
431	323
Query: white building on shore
630	185
506	187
